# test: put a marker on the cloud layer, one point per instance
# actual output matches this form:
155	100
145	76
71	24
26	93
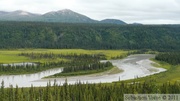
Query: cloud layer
142	11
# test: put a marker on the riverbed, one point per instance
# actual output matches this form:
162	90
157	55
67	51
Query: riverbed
133	66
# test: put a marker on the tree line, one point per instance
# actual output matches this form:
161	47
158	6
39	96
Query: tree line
85	92
93	66
169	57
88	36
51	55
30	68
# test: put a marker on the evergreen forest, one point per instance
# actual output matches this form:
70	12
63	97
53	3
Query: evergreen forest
15	35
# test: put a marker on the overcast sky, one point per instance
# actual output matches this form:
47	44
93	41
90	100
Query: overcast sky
141	11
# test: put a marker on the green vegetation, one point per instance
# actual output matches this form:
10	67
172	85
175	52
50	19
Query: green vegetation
86	92
171	75
13	56
170	57
85	69
74	61
7	56
80	73
26	69
88	36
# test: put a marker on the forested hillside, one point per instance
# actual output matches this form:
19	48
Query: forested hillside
89	36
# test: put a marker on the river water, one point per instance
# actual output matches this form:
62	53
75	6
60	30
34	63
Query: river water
133	66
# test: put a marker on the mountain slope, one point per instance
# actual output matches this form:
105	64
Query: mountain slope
18	15
112	21
2	13
66	15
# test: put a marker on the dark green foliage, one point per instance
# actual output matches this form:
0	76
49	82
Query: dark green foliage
16	69
75	62
89	36
86	92
83	69
66	56
88	67
169	57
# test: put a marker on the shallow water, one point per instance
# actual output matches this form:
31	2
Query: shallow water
20	64
25	80
133	66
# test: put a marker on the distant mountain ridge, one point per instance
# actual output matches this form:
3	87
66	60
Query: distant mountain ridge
2	12
64	16
112	21
18	15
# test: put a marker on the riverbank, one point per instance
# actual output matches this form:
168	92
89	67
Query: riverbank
107	71
171	75
79	73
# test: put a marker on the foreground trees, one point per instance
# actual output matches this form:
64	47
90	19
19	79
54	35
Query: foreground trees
85	92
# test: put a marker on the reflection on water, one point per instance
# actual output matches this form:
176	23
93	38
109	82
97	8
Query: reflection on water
133	66
19	64
26	79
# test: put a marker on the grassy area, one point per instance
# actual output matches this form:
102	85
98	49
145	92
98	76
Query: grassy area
108	53
11	56
160	64
172	74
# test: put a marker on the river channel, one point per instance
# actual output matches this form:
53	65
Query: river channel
133	66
